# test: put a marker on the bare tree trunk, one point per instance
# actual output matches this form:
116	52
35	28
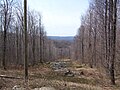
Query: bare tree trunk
33	46
26	42
106	35
112	27
17	45
82	42
90	45
95	37
4	42
41	55
1	38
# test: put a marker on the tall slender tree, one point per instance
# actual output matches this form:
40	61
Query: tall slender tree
113	17
26	41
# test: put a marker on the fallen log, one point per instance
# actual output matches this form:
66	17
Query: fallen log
10	77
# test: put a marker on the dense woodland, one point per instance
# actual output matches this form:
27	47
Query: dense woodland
96	43
97	40
40	48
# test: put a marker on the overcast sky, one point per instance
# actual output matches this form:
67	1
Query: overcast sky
60	17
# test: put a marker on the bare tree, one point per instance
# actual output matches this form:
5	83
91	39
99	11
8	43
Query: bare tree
100	25
6	11
113	19
26	42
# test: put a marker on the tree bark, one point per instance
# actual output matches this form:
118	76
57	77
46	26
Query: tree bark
26	42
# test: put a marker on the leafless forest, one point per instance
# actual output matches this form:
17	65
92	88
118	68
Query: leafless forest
24	42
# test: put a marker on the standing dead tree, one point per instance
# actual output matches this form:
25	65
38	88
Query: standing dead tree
7	14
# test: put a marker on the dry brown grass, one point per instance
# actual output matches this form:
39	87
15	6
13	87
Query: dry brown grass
43	75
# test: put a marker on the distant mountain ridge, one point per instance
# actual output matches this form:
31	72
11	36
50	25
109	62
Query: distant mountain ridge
66	38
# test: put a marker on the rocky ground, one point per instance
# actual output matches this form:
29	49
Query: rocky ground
59	75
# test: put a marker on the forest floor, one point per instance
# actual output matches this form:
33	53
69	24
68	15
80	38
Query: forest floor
84	78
